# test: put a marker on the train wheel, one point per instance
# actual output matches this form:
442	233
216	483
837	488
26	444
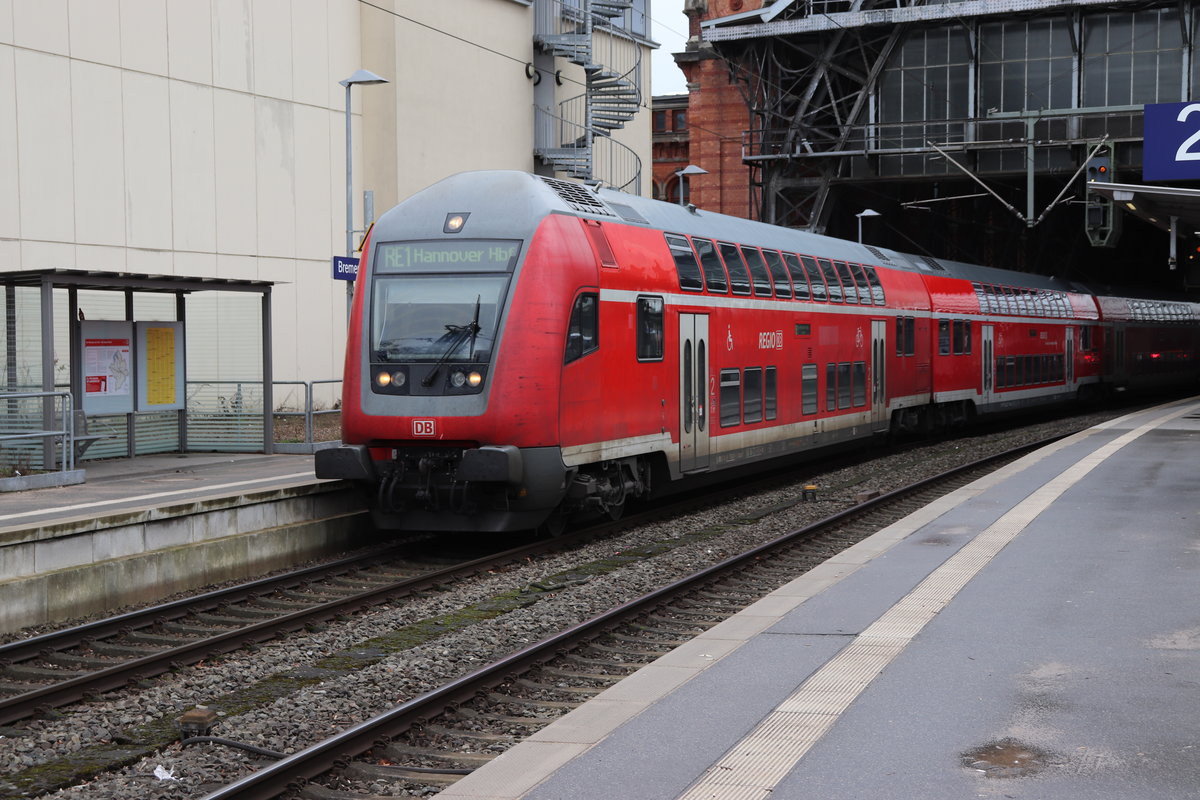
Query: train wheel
553	526
615	512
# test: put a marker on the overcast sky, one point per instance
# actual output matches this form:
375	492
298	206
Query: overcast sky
668	27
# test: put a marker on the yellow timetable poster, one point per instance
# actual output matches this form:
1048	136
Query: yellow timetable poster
160	366
161	371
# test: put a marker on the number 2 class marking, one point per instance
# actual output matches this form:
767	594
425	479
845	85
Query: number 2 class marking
1184	153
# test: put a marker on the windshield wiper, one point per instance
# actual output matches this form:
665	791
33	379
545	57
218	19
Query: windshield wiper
461	332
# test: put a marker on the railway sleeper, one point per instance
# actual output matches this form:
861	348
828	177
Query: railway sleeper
582	676
631	666
476	715
119	650
527	702
318	792
79	662
395	751
448	731
156	640
362	771
642	655
584	691
664	638
28	672
664	623
676	629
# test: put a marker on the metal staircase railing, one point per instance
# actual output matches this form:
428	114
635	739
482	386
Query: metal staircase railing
577	139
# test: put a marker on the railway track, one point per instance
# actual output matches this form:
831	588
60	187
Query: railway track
63	667
427	743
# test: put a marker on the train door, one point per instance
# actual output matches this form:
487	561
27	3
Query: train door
1070	356
693	392
879	411
988	361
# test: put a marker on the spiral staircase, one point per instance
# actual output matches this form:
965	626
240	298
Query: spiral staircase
575	137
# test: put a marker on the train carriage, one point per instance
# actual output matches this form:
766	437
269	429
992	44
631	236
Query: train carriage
523	348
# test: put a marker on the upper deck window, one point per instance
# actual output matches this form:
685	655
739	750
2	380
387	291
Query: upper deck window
758	271
799	279
739	274
831	279
783	288
685	263
714	270
815	278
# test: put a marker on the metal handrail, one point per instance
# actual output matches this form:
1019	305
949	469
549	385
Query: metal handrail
309	413
64	435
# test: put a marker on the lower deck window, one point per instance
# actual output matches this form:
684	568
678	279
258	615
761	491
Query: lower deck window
731	397
650	328
769	401
843	379
752	396
808	389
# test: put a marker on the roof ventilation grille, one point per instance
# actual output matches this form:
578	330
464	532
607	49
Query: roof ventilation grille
578	197
882	256
628	213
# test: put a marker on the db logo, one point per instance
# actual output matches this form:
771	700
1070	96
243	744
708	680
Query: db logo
424	427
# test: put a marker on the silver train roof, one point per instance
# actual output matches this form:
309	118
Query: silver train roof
505	204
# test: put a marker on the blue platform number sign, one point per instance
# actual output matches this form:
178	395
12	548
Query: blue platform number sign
1172	142
345	268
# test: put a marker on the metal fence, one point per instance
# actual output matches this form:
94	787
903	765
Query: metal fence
37	432
303	404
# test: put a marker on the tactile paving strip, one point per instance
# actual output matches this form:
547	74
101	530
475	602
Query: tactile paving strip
753	767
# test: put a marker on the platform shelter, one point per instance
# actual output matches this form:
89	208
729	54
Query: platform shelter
124	364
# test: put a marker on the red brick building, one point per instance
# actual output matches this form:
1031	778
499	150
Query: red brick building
717	115
669	144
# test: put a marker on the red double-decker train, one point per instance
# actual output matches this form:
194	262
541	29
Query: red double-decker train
523	348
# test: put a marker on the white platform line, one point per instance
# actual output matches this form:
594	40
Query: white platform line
754	766
6	518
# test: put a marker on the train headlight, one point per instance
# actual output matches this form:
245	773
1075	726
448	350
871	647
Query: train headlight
383	379
474	379
398	379
458	379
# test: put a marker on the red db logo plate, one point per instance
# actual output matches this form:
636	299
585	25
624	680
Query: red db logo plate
424	427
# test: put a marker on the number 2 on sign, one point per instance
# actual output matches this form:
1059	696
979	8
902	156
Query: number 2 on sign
1183	153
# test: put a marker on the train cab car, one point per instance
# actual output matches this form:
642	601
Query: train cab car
524	349
1149	342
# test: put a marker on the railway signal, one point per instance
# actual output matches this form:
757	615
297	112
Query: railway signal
1101	220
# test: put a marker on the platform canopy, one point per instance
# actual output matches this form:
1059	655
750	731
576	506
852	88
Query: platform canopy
155	344
1155	204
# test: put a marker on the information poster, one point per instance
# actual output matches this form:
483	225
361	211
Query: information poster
107	367
160	366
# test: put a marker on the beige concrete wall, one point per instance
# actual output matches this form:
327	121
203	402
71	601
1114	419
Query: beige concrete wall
206	137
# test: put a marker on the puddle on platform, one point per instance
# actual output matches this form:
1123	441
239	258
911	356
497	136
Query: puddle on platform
1007	758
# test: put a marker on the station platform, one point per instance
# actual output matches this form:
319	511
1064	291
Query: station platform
145	482
1035	634
140	529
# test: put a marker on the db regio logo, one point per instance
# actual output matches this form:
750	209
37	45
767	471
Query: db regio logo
424	427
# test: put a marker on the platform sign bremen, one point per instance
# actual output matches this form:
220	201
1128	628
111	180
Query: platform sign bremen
1172	142
345	268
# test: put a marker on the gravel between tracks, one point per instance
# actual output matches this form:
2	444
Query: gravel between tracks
317	712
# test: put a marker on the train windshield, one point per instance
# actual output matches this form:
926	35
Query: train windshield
435	317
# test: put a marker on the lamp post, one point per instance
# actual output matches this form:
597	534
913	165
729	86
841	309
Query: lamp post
690	169
365	78
866	212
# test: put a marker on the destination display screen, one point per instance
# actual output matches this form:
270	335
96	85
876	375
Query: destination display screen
459	255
